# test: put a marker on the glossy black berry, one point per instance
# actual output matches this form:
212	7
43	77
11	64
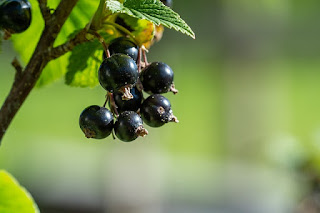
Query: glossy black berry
129	126
96	122
15	15
128	105
125	46
156	111
157	78
117	72
167	2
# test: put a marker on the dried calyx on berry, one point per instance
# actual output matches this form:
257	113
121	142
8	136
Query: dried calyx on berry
129	126
156	111
119	72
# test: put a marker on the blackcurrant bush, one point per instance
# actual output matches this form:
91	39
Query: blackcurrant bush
118	73
128	105
156	111
15	15
96	122
157	78
125	46
129	126
167	2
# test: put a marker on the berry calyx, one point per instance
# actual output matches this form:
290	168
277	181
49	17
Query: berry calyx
129	126
156	111
157	78
125	46
128	105
96	122
118	73
15	15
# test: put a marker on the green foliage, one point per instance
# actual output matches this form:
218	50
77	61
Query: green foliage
13	197
151	10
83	65
26	42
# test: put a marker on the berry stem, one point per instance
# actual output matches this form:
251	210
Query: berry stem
139	60
113	106
106	101
144	56
103	43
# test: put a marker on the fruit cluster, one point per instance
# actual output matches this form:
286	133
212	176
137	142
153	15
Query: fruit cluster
15	16
125	76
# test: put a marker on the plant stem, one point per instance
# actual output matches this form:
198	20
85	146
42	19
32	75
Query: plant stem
43	54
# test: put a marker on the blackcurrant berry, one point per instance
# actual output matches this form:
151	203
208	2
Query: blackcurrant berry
128	105
156	111
96	122
129	126
15	15
125	46
118	72
157	78
167	2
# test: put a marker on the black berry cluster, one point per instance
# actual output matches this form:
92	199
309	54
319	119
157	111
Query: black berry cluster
15	15
125	76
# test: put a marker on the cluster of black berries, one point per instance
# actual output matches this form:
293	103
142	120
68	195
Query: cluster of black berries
15	15
124	76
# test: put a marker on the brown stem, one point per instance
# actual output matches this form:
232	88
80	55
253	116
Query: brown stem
22	86
104	44
45	11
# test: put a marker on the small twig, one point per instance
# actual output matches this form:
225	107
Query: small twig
45	11
19	69
60	50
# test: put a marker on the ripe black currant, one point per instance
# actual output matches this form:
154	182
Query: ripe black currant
156	111
128	105
167	2
129	126
125	46
118	73
157	78
96	122
15	15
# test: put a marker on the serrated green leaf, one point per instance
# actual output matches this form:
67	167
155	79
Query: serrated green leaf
25	42
13	197
151	10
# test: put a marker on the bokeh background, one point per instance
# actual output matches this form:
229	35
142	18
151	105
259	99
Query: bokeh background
248	140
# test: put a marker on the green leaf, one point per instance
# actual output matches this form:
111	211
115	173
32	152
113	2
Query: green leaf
13	197
25	42
151	10
83	65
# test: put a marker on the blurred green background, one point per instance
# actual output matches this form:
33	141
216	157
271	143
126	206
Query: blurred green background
249	133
